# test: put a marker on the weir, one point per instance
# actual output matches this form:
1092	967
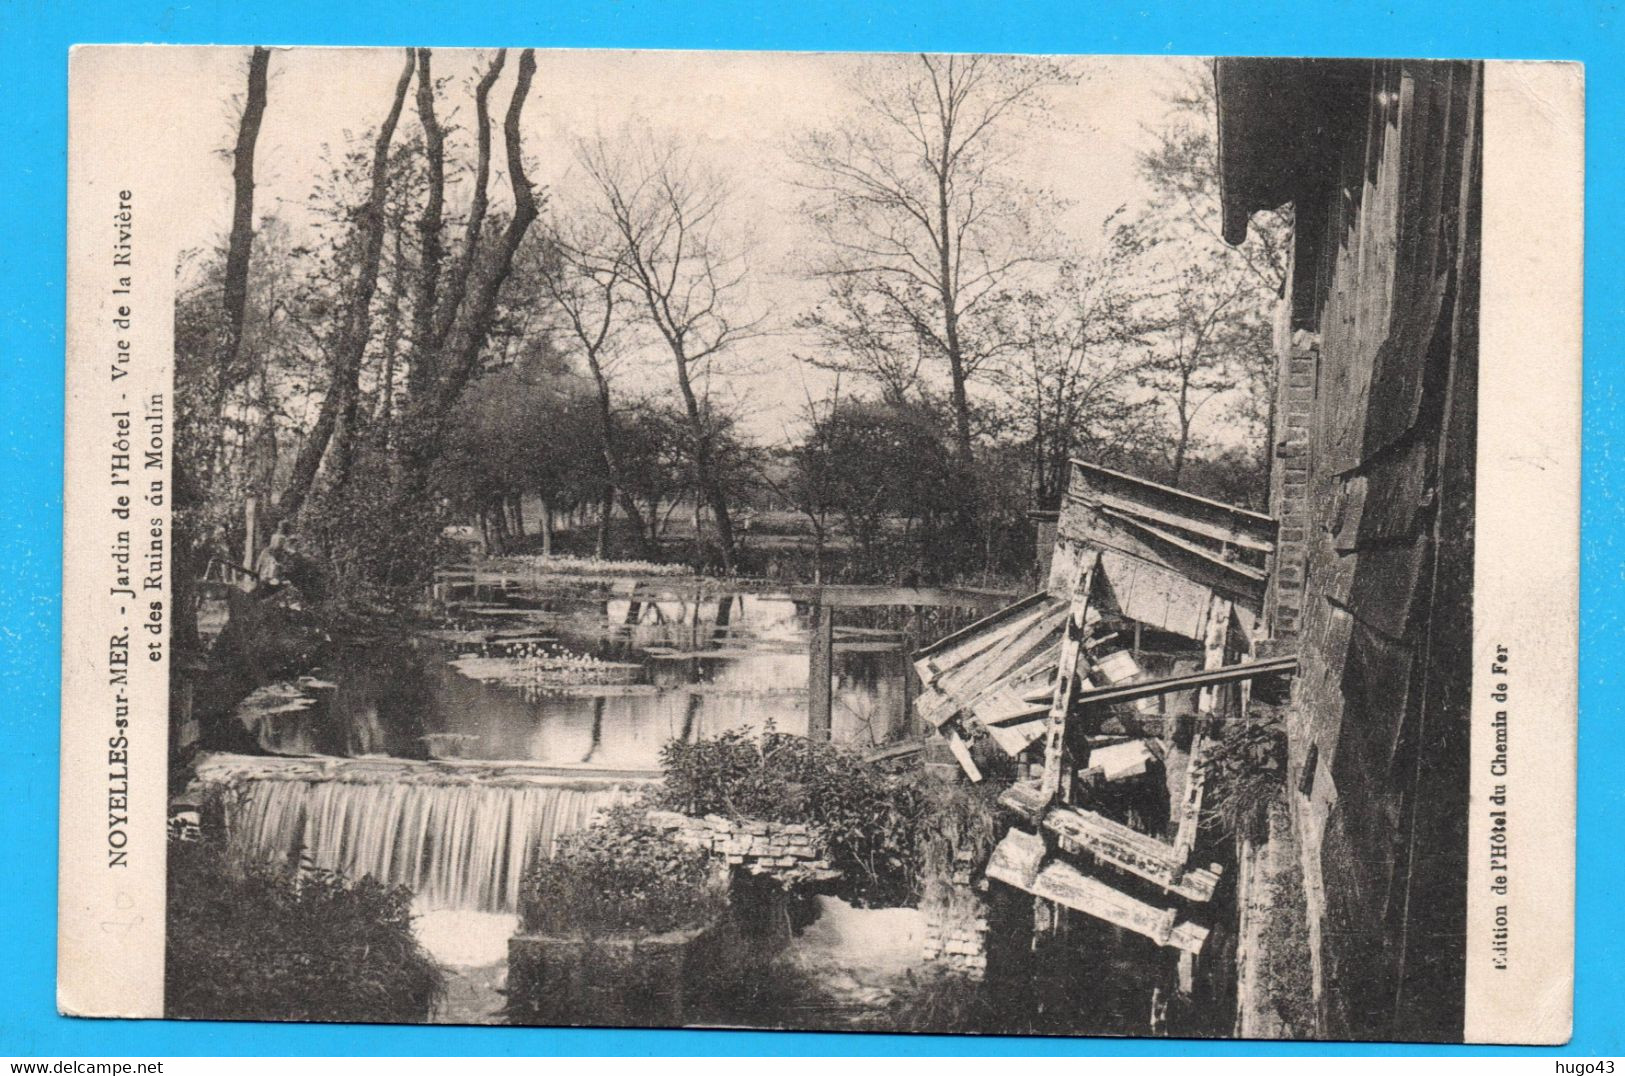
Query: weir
460	837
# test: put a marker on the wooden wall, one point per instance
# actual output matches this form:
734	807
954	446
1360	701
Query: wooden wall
1374	488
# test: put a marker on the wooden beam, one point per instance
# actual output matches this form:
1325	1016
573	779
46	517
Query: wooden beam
1093	531
1235	536
1069	887
1129	850
1228	674
1097	479
1246	571
970	631
961	754
887	752
1066	684
856	597
820	674
1190	806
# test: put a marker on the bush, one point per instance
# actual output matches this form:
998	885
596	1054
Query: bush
871	818
254	940
1246	776
620	875
369	533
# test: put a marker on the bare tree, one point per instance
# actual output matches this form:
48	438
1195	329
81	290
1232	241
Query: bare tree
1198	353
667	212
582	268
1221	297
1082	349
925	226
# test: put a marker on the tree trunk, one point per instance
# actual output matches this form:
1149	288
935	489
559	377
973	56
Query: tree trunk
431	246
241	244
950	316
1182	444
458	358
606	507
612	460
705	465
346	364
191	558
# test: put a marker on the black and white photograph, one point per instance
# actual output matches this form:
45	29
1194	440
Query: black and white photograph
954	544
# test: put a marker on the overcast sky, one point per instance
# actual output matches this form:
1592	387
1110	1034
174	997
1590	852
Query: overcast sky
740	110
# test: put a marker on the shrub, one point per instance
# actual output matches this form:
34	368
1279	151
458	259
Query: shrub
870	817
1246	775
249	939
620	875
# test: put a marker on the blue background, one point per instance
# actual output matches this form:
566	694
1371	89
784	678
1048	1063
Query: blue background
34	41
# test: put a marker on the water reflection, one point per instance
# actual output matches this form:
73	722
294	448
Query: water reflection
585	680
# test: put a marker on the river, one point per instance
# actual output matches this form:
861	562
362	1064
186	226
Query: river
445	761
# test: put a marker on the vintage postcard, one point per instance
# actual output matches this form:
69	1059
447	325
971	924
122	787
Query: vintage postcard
903	543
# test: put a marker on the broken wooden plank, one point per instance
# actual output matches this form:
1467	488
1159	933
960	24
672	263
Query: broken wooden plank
1189	813
1155	596
1096	531
952	649
887	752
962	755
1014	739
1069	887
1017	858
1015	649
1089	480
1122	668
1025	799
1066	683
1195	549
1187	972
1082	831
1250	539
1121	761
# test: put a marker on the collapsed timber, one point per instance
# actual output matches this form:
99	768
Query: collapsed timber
1141	654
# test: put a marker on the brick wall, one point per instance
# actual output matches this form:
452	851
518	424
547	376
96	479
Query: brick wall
1289	480
956	919
792	853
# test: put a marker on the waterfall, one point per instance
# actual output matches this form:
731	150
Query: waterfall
461	845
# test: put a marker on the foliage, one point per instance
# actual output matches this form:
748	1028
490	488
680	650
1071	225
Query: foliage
365	536
250	939
878	466
1246	776
620	875
871	818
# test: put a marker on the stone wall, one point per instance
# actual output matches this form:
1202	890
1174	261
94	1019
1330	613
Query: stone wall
646	979
792	853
